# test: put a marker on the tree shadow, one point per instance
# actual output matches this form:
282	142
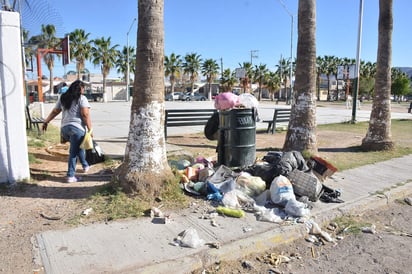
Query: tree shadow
341	149
64	192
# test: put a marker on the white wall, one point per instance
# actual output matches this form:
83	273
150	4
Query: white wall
14	162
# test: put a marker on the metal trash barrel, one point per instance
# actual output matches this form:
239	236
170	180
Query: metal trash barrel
237	137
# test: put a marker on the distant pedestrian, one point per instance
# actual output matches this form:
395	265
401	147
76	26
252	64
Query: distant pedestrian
75	121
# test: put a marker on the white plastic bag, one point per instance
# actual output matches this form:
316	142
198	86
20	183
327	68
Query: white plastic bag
251	185
190	238
247	100
296	209
281	190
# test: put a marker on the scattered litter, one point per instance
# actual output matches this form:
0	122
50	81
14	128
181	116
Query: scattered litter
408	200
281	190
311	239
156	212
326	236
276	259
296	209
247	229
271	215
161	220
247	265
216	245
371	229
237	213
189	238
52	218
87	211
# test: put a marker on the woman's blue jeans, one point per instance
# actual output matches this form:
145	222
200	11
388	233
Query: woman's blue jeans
75	136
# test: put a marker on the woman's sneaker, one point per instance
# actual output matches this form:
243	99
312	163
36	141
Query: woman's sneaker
86	169
73	179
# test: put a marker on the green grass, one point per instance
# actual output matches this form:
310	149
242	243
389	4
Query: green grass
353	157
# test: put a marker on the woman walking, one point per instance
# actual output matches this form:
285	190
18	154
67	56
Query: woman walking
75	121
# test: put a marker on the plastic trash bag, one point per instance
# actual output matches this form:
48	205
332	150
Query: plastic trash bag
271	215
230	200
247	100
296	209
291	160
226	101
190	238
221	174
281	191
251	185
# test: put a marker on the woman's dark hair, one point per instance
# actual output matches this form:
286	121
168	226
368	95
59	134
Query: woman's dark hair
72	94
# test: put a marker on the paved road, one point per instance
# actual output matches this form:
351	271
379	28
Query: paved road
111	119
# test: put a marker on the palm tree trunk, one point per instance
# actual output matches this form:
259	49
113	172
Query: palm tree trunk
145	166
301	135
378	136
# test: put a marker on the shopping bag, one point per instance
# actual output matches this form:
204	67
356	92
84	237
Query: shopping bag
87	141
94	155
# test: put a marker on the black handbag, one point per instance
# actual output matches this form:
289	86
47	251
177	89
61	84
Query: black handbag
94	155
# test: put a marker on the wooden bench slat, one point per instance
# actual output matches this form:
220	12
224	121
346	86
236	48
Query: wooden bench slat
33	121
186	117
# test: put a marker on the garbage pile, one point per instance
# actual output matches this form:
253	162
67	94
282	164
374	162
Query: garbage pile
282	185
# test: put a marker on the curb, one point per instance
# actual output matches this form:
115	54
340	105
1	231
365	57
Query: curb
276	237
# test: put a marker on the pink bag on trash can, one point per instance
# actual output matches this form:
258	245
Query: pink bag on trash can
226	100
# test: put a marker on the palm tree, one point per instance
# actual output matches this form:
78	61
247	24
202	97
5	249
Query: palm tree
145	168
348	62
320	70
210	69
104	54
29	51
283	72
80	49
228	80
48	40
191	67
172	65
273	83
378	136
260	73
301	134
121	61
329	64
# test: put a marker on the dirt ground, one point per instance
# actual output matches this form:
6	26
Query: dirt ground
48	203
385	251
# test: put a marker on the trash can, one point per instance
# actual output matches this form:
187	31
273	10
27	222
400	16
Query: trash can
237	138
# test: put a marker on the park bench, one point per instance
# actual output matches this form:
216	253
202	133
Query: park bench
33	121
279	115
187	117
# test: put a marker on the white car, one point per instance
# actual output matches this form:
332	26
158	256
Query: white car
176	96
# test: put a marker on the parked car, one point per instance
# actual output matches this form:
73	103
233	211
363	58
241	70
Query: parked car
195	97
175	97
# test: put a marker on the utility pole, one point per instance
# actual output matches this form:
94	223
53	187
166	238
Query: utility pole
253	54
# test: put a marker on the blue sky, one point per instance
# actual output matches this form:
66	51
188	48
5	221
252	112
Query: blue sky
228	30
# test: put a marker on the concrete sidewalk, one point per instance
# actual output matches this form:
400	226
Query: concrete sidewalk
146	246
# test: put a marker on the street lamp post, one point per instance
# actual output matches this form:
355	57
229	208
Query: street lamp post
358	52
128	63
291	49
